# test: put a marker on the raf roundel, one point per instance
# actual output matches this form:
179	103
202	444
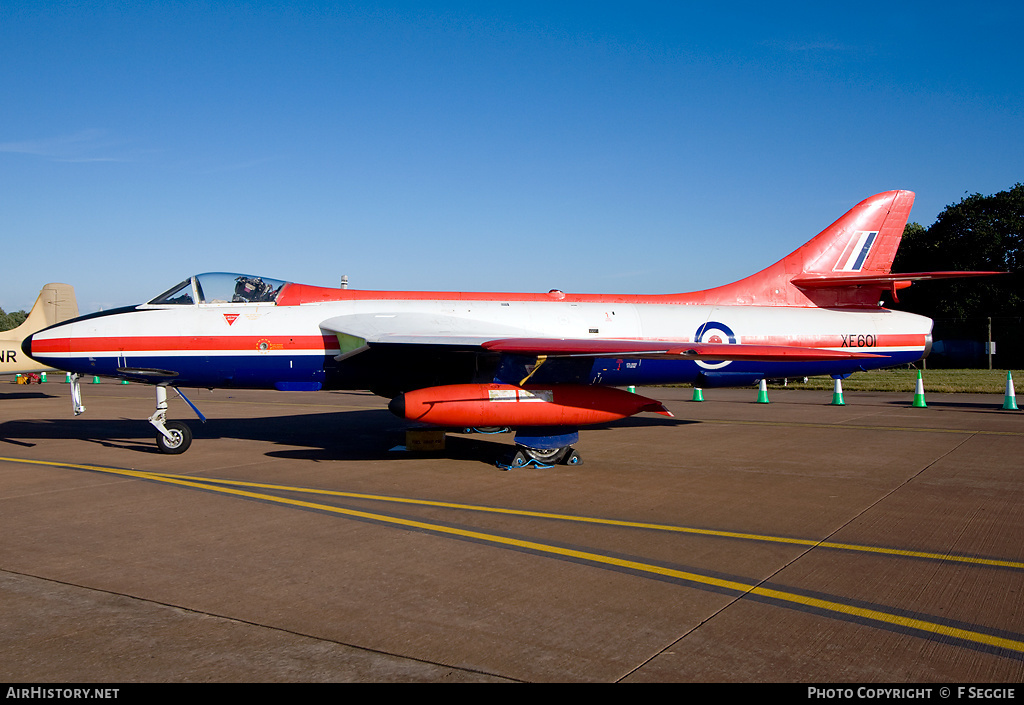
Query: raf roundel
714	332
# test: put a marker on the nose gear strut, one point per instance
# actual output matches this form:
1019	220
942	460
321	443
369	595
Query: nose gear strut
172	437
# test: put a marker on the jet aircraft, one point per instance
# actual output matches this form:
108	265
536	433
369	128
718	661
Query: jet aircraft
55	303
542	364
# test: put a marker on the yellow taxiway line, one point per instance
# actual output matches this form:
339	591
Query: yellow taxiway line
236	488
904	553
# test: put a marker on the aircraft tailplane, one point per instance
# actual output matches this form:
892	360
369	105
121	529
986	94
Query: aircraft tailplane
56	303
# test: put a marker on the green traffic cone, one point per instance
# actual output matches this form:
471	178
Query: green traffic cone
1010	399
698	394
919	392
837	393
632	389
95	380
762	393
42	377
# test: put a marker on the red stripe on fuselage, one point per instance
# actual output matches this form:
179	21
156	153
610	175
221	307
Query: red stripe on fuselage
329	344
246	343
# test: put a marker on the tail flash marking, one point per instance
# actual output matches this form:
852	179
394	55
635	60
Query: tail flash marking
856	252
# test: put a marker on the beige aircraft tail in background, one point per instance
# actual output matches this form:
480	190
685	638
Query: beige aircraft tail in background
56	304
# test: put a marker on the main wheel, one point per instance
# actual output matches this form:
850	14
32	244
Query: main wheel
181	438
547	456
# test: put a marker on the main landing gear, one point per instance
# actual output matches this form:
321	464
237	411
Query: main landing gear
544	457
545	446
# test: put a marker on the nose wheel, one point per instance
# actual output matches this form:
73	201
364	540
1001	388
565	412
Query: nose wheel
177	439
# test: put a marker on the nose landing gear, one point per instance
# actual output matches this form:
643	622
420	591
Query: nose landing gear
172	437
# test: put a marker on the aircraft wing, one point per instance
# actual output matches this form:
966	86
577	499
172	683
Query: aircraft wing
356	332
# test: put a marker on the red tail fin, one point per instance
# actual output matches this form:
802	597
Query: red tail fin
861	245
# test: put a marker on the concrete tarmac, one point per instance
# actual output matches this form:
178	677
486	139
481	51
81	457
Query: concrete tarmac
296	541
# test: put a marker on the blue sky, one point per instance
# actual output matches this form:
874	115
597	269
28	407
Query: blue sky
639	147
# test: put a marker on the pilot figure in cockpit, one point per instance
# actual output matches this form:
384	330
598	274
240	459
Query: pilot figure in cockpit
250	289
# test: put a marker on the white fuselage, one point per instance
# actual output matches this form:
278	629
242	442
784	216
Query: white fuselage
265	345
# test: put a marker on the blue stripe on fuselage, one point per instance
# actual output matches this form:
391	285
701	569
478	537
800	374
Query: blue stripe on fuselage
269	371
624	373
239	371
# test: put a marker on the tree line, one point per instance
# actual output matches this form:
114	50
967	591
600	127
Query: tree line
980	233
11	320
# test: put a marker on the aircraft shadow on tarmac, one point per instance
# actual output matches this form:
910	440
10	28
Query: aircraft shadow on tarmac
13	396
981	406
371	434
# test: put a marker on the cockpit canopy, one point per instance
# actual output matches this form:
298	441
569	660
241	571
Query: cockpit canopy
221	288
